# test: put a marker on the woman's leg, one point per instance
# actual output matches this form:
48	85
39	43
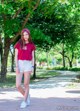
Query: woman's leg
26	84
18	83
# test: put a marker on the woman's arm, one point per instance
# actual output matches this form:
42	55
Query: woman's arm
33	60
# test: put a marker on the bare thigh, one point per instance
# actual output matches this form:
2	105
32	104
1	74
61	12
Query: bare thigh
26	78
19	79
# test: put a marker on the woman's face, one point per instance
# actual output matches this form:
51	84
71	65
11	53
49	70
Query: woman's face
25	36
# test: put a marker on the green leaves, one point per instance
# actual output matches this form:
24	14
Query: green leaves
7	9
14	15
40	39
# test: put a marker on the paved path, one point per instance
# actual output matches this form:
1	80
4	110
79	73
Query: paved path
48	95
65	78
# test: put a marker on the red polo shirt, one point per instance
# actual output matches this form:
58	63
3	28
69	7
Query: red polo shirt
26	52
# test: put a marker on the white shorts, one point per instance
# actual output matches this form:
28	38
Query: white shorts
24	65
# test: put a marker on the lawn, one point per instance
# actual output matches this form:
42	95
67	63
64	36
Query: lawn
40	75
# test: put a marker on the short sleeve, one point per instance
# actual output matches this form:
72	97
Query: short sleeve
17	45
33	47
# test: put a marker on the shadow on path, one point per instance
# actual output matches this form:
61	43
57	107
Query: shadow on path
47	95
42	104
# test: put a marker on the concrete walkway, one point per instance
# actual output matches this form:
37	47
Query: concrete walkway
48	95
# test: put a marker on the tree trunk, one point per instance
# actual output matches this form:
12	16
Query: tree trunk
71	60
63	55
63	59
70	64
12	63
4	59
34	72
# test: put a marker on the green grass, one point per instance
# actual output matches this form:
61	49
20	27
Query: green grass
41	75
9	82
46	74
64	68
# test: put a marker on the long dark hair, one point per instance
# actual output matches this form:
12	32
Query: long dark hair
22	41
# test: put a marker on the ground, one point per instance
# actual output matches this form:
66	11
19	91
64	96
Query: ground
54	94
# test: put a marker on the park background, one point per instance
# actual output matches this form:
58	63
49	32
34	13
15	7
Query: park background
55	30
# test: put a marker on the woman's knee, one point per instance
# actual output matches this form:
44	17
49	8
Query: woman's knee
18	86
26	85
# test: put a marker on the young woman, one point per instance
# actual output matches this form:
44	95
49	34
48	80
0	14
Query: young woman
24	60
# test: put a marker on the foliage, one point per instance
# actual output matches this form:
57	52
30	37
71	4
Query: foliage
54	22
14	16
40	39
66	68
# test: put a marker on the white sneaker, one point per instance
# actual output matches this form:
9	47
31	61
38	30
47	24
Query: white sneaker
23	104
28	100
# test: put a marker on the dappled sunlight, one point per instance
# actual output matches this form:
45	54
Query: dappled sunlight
64	79
51	94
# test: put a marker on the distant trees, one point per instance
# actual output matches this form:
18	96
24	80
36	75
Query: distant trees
60	21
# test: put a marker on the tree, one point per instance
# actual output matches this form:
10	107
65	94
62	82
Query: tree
57	19
13	17
41	40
